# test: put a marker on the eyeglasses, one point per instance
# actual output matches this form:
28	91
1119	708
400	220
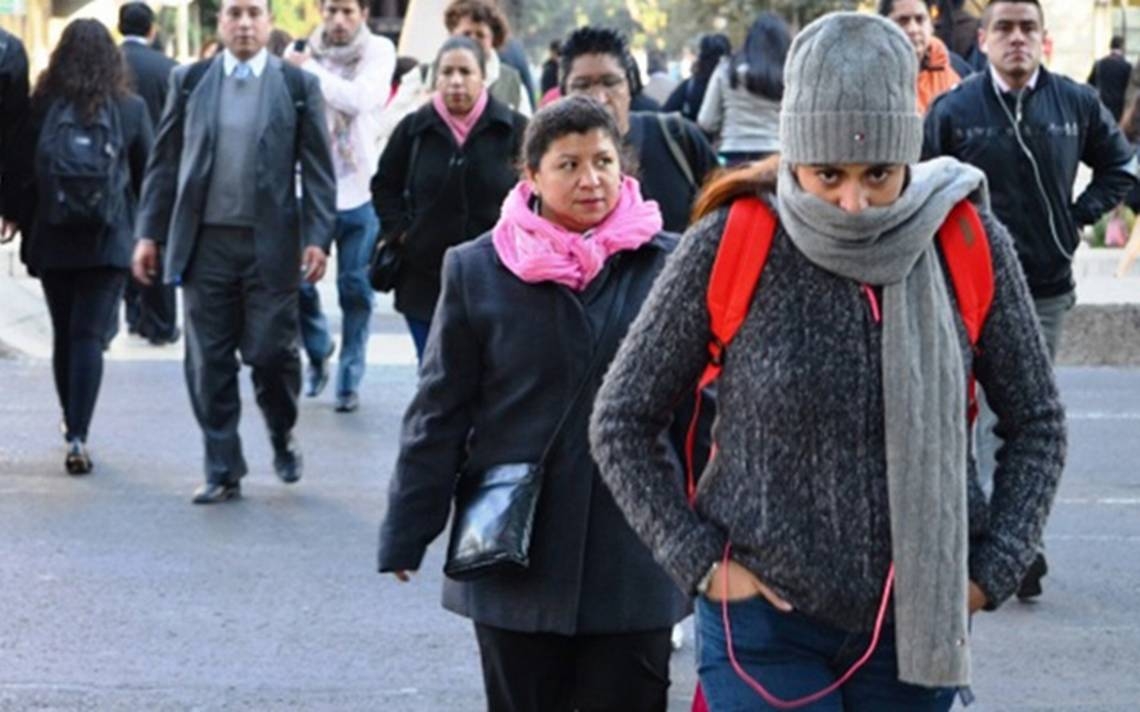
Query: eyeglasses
609	83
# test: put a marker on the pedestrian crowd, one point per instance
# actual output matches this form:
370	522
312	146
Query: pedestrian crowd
772	344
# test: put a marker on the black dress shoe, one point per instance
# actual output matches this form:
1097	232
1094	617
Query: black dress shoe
287	460
77	462
1031	585
166	339
214	492
347	402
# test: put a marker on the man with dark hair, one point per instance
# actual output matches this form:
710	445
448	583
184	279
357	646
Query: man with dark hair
355	69
221	197
939	69
672	153
1028	130
1110	77
13	114
151	311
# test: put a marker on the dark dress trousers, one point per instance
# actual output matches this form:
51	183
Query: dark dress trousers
456	192
151	311
240	284
502	362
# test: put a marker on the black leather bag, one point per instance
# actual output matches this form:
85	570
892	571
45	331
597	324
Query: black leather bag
384	265
495	508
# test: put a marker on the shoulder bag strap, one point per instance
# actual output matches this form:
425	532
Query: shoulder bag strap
675	149
600	352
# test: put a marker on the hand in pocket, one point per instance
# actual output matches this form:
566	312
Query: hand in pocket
736	583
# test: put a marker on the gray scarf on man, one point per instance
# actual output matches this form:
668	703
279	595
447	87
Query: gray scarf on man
342	60
924	397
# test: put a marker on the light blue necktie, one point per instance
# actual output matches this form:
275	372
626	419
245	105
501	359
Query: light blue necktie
242	71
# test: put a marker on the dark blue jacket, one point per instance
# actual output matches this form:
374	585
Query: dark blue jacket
1029	147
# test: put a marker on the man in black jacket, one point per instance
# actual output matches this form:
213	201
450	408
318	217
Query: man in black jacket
1028	130
13	114
1110	77
151	311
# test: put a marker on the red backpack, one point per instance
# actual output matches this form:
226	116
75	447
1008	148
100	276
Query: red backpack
740	261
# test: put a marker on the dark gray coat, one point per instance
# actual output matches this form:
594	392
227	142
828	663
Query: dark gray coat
178	175
502	362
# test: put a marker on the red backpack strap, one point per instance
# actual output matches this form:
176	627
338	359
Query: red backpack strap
740	259
964	245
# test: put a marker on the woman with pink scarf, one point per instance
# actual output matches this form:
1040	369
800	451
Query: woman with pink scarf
443	175
529	317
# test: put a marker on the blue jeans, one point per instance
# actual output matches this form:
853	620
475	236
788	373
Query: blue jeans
355	238
419	331
793	656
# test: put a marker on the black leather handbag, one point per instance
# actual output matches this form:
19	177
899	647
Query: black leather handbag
384	265
495	508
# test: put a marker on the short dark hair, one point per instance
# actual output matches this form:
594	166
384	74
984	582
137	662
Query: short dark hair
1117	42
570	115
136	19
888	6
598	40
464	43
365	5
988	13
487	13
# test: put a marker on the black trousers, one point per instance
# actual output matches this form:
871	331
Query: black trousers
230	310
544	672
82	303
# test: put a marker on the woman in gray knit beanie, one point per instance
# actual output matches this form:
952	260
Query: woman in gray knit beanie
842	444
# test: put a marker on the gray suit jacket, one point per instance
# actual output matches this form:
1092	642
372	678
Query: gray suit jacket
178	175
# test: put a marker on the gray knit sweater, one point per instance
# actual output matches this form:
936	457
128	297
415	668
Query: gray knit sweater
798	484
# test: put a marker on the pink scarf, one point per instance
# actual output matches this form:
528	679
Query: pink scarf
537	250
460	125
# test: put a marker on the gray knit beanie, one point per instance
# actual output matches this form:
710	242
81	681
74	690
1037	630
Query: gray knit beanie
849	93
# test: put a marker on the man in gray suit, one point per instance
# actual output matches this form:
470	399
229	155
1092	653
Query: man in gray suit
220	200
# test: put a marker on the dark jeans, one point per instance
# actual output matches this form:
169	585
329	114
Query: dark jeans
419	331
82	303
544	672
793	656
355	238
231	309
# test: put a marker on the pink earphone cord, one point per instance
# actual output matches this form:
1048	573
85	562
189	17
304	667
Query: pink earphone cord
815	697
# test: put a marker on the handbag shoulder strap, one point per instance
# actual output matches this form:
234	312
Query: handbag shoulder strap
599	356
411	170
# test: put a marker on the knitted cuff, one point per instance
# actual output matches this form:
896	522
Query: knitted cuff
850	137
689	560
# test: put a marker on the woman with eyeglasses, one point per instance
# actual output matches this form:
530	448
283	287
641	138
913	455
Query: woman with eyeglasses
673	157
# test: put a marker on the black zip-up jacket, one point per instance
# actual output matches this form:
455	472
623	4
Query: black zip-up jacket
1029	146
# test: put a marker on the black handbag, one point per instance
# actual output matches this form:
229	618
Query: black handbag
384	265
495	508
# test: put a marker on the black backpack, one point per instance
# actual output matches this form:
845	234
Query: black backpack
81	166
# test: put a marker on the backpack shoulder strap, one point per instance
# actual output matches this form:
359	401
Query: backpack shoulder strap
966	249
740	260
964	245
193	78
667	122
295	81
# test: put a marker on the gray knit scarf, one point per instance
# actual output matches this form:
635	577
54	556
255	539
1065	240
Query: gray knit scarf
924	397
343	61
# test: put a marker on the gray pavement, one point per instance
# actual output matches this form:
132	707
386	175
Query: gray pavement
117	594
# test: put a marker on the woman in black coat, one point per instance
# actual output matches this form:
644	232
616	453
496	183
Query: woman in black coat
78	245
443	176
525	311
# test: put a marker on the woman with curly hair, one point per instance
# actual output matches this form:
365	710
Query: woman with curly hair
78	229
